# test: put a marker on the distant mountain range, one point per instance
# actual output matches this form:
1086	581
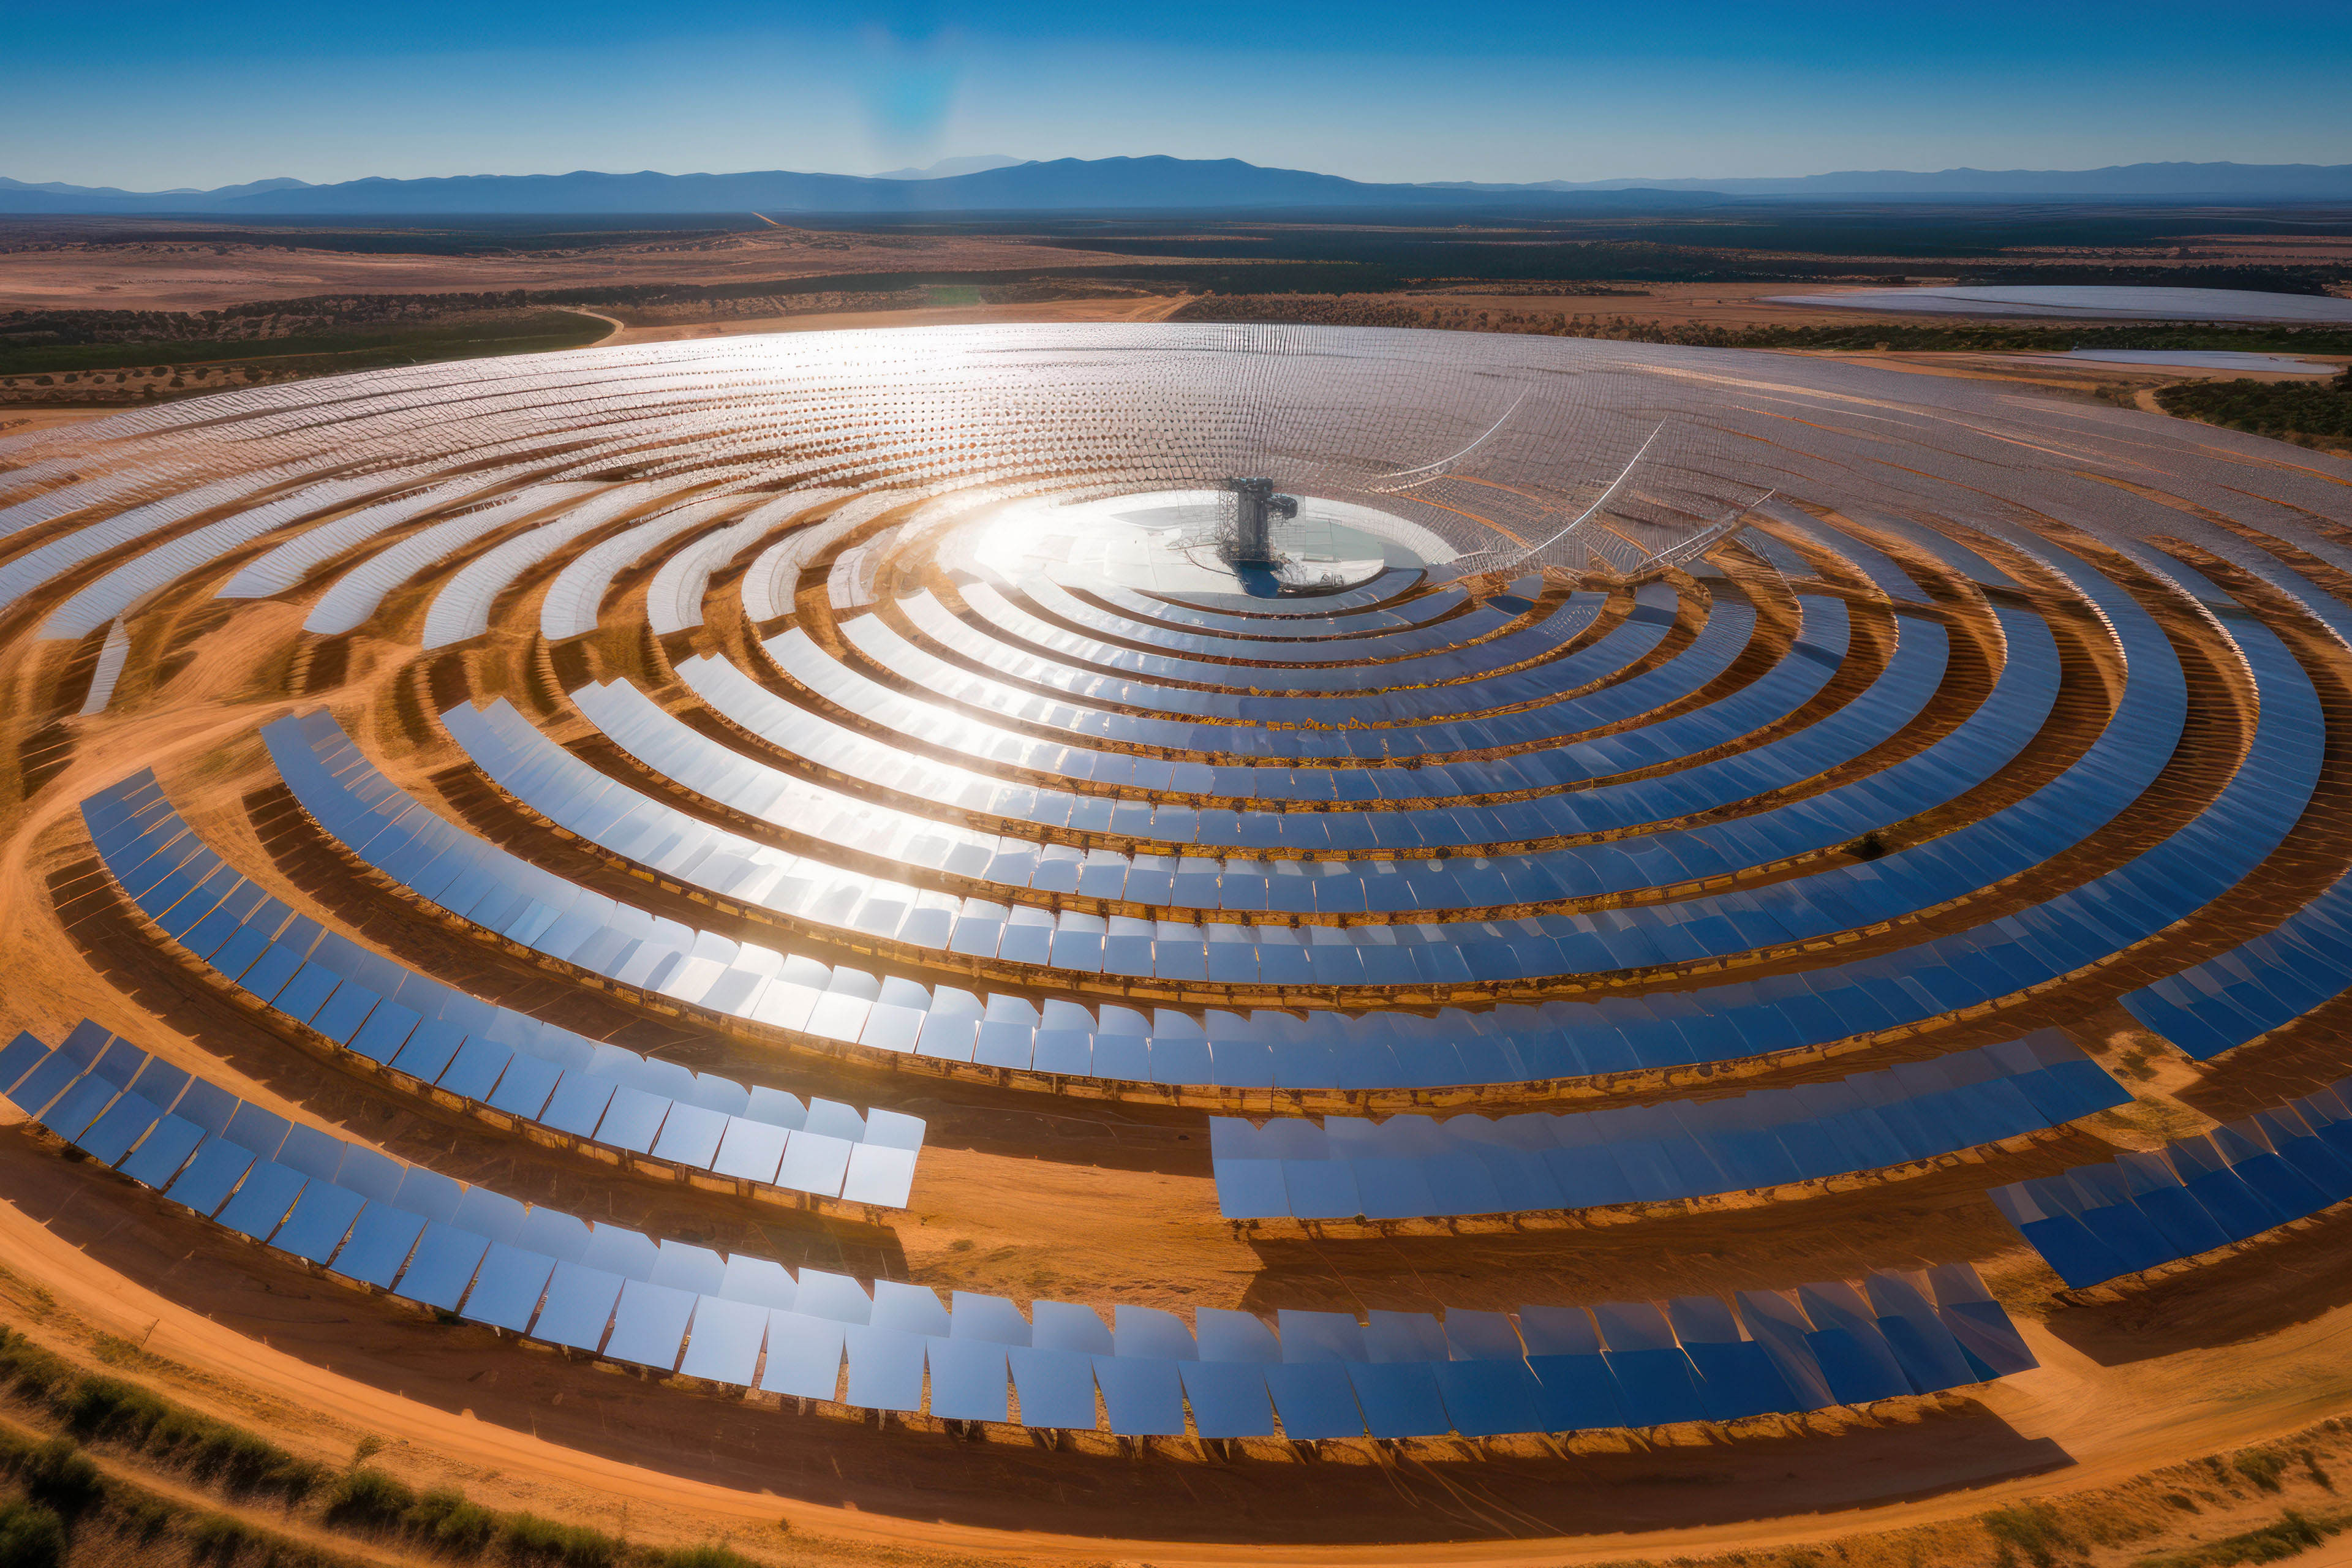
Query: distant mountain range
995	184
1063	184
947	166
2275	182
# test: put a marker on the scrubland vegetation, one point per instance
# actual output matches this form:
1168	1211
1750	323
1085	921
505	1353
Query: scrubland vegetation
2319	414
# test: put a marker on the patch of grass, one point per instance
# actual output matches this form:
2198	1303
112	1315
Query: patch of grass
702	1557
31	1536
34	1295
61	1477
221	1537
442	1519
97	1409
2032	1527
1346	306
2293	1535
26	1368
225	1541
109	1409
316	353
538	1543
54	1471
2274	408
2261	1467
65	1484
452	1524
66	1490
368	1499
142	1516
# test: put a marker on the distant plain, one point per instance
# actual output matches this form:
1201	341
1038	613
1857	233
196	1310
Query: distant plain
100	312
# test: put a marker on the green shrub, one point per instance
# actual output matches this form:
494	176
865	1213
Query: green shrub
543	1543
368	1499
142	1518
220	1537
703	1557
2261	1467
30	1369
100	1408
60	1476
229	1457
2265	408
2292	1536
110	1408
2032	1528
453	1525
31	1536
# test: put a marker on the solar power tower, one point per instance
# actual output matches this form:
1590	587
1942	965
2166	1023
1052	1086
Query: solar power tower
1254	507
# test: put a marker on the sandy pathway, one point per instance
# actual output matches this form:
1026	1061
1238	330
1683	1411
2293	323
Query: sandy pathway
618	325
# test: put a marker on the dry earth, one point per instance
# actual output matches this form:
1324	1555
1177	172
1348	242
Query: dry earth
164	274
1115	308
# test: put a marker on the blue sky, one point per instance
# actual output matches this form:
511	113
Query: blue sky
149	95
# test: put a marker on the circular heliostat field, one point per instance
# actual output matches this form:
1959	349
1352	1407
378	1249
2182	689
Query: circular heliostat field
1678	915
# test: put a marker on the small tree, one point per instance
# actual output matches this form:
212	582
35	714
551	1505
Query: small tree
31	1536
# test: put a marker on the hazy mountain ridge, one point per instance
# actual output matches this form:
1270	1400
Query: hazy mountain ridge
58	188
1148	183
2313	181
1155	183
947	167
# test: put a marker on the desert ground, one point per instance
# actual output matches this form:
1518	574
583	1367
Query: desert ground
58	267
298	302
1116	308
167	265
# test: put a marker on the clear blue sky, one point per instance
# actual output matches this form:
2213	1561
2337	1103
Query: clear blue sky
149	95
